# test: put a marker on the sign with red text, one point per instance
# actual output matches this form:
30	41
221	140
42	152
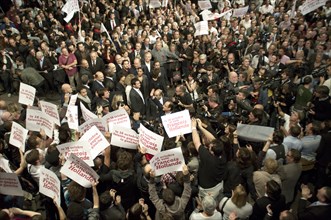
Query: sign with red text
150	140
201	28
18	136
36	120
26	94
50	185
73	99
117	118
79	171
239	12
98	122
50	110
10	185
70	7
72	117
167	161
96	140
204	5
124	137
79	148
87	114
178	123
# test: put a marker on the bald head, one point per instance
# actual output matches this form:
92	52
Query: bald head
6	116
66	88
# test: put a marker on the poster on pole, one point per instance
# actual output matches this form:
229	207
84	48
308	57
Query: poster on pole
50	185
239	12
18	136
178	123
124	137
79	148
78	170
96	140
51	110
150	140
168	161
26	94
36	120
10	185
204	5
117	118
201	28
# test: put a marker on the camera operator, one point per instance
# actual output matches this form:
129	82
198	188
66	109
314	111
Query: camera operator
321	104
202	66
182	98
212	108
243	104
234	83
259	94
208	79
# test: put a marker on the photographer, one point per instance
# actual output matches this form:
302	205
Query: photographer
321	104
182	98
243	104
212	108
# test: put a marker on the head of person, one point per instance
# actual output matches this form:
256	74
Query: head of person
168	196
273	190
239	196
99	76
136	83
208	205
233	77
324	194
293	156
278	137
255	115
295	130
270	165
168	106
322	91
66	88
180	90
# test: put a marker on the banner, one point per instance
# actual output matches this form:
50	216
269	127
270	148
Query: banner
18	136
87	114
201	28
240	12
79	148
311	5
254	132
96	141
117	118
50	185
26	94
98	122
10	185
204	5
79	171
178	123
72	117
150	140
167	161
50	110
36	120
70	8
124	137
154	4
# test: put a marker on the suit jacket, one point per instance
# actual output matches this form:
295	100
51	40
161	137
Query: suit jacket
109	83
108	24
89	92
148	47
96	86
306	212
323	156
46	65
146	71
137	103
99	66
292	172
259	208
133	55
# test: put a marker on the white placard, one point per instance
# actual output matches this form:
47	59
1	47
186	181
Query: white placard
201	28
72	117
164	3
98	122
36	120
117	118
50	185
4	164
150	140
154	4
73	99
311	5
124	137
96	141
78	170
10	185
70	7
87	114
178	123
18	136
80	148
240	12
254	132
50	110
26	94
168	161
204	5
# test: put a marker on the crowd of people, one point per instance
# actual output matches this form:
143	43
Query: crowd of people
269	68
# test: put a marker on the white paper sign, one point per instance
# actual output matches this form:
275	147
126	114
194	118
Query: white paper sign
168	161
70	7
72	116
87	114
201	28
117	118
254	132
50	185
80	148
311	5
150	140
204	5
73	99
4	164
124	137
78	170
164	3
10	185
98	122
178	123
50	110
96	141
26	94
36	120
240	12
154	4
18	136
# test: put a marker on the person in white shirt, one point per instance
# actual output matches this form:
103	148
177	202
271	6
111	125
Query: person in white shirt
209	212
266	8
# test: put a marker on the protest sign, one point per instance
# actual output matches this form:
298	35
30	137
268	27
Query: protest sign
150	140
311	5
26	94
10	185
177	123
240	12
204	5
96	141
154	4
70	7
124	137
72	116
36	120
167	161
78	170
98	122
164	3
73	99
117	118
79	148
254	132
49	184
50	110
17	136
87	114
201	28
4	164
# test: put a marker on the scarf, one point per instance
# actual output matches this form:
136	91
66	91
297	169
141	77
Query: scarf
86	99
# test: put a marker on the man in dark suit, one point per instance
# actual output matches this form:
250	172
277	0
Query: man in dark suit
110	79
96	64
137	53
45	67
86	84
147	64
146	46
97	83
112	23
136	97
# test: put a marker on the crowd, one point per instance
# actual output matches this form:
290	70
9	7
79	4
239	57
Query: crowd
269	68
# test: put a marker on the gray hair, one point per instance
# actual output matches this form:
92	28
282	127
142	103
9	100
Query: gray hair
209	205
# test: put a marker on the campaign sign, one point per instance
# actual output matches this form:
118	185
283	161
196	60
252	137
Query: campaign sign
178	123
50	185
87	114
26	94
117	118
50	110
96	140
10	185
167	161
150	140
18	136
79	148
36	120
98	122
124	137
72	117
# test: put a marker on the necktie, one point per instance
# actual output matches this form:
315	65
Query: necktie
112	24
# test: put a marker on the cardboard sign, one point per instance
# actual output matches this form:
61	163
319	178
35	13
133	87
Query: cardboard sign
208	15
154	4
26	94
70	7
96	141
124	137
79	148
167	161
18	136
117	118
10	185
311	5
78	170
36	120
98	122
204	5
50	110
50	185
178	123
150	140
240	12
72	117
201	28
73	99
87	114
254	132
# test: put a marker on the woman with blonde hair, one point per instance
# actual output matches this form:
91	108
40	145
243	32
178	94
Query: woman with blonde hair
237	204
117	101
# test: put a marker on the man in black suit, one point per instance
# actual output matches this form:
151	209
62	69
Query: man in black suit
112	23
147	64
97	83
137	53
118	63
136	97
86	84
45	67
96	64
146	45
110	79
